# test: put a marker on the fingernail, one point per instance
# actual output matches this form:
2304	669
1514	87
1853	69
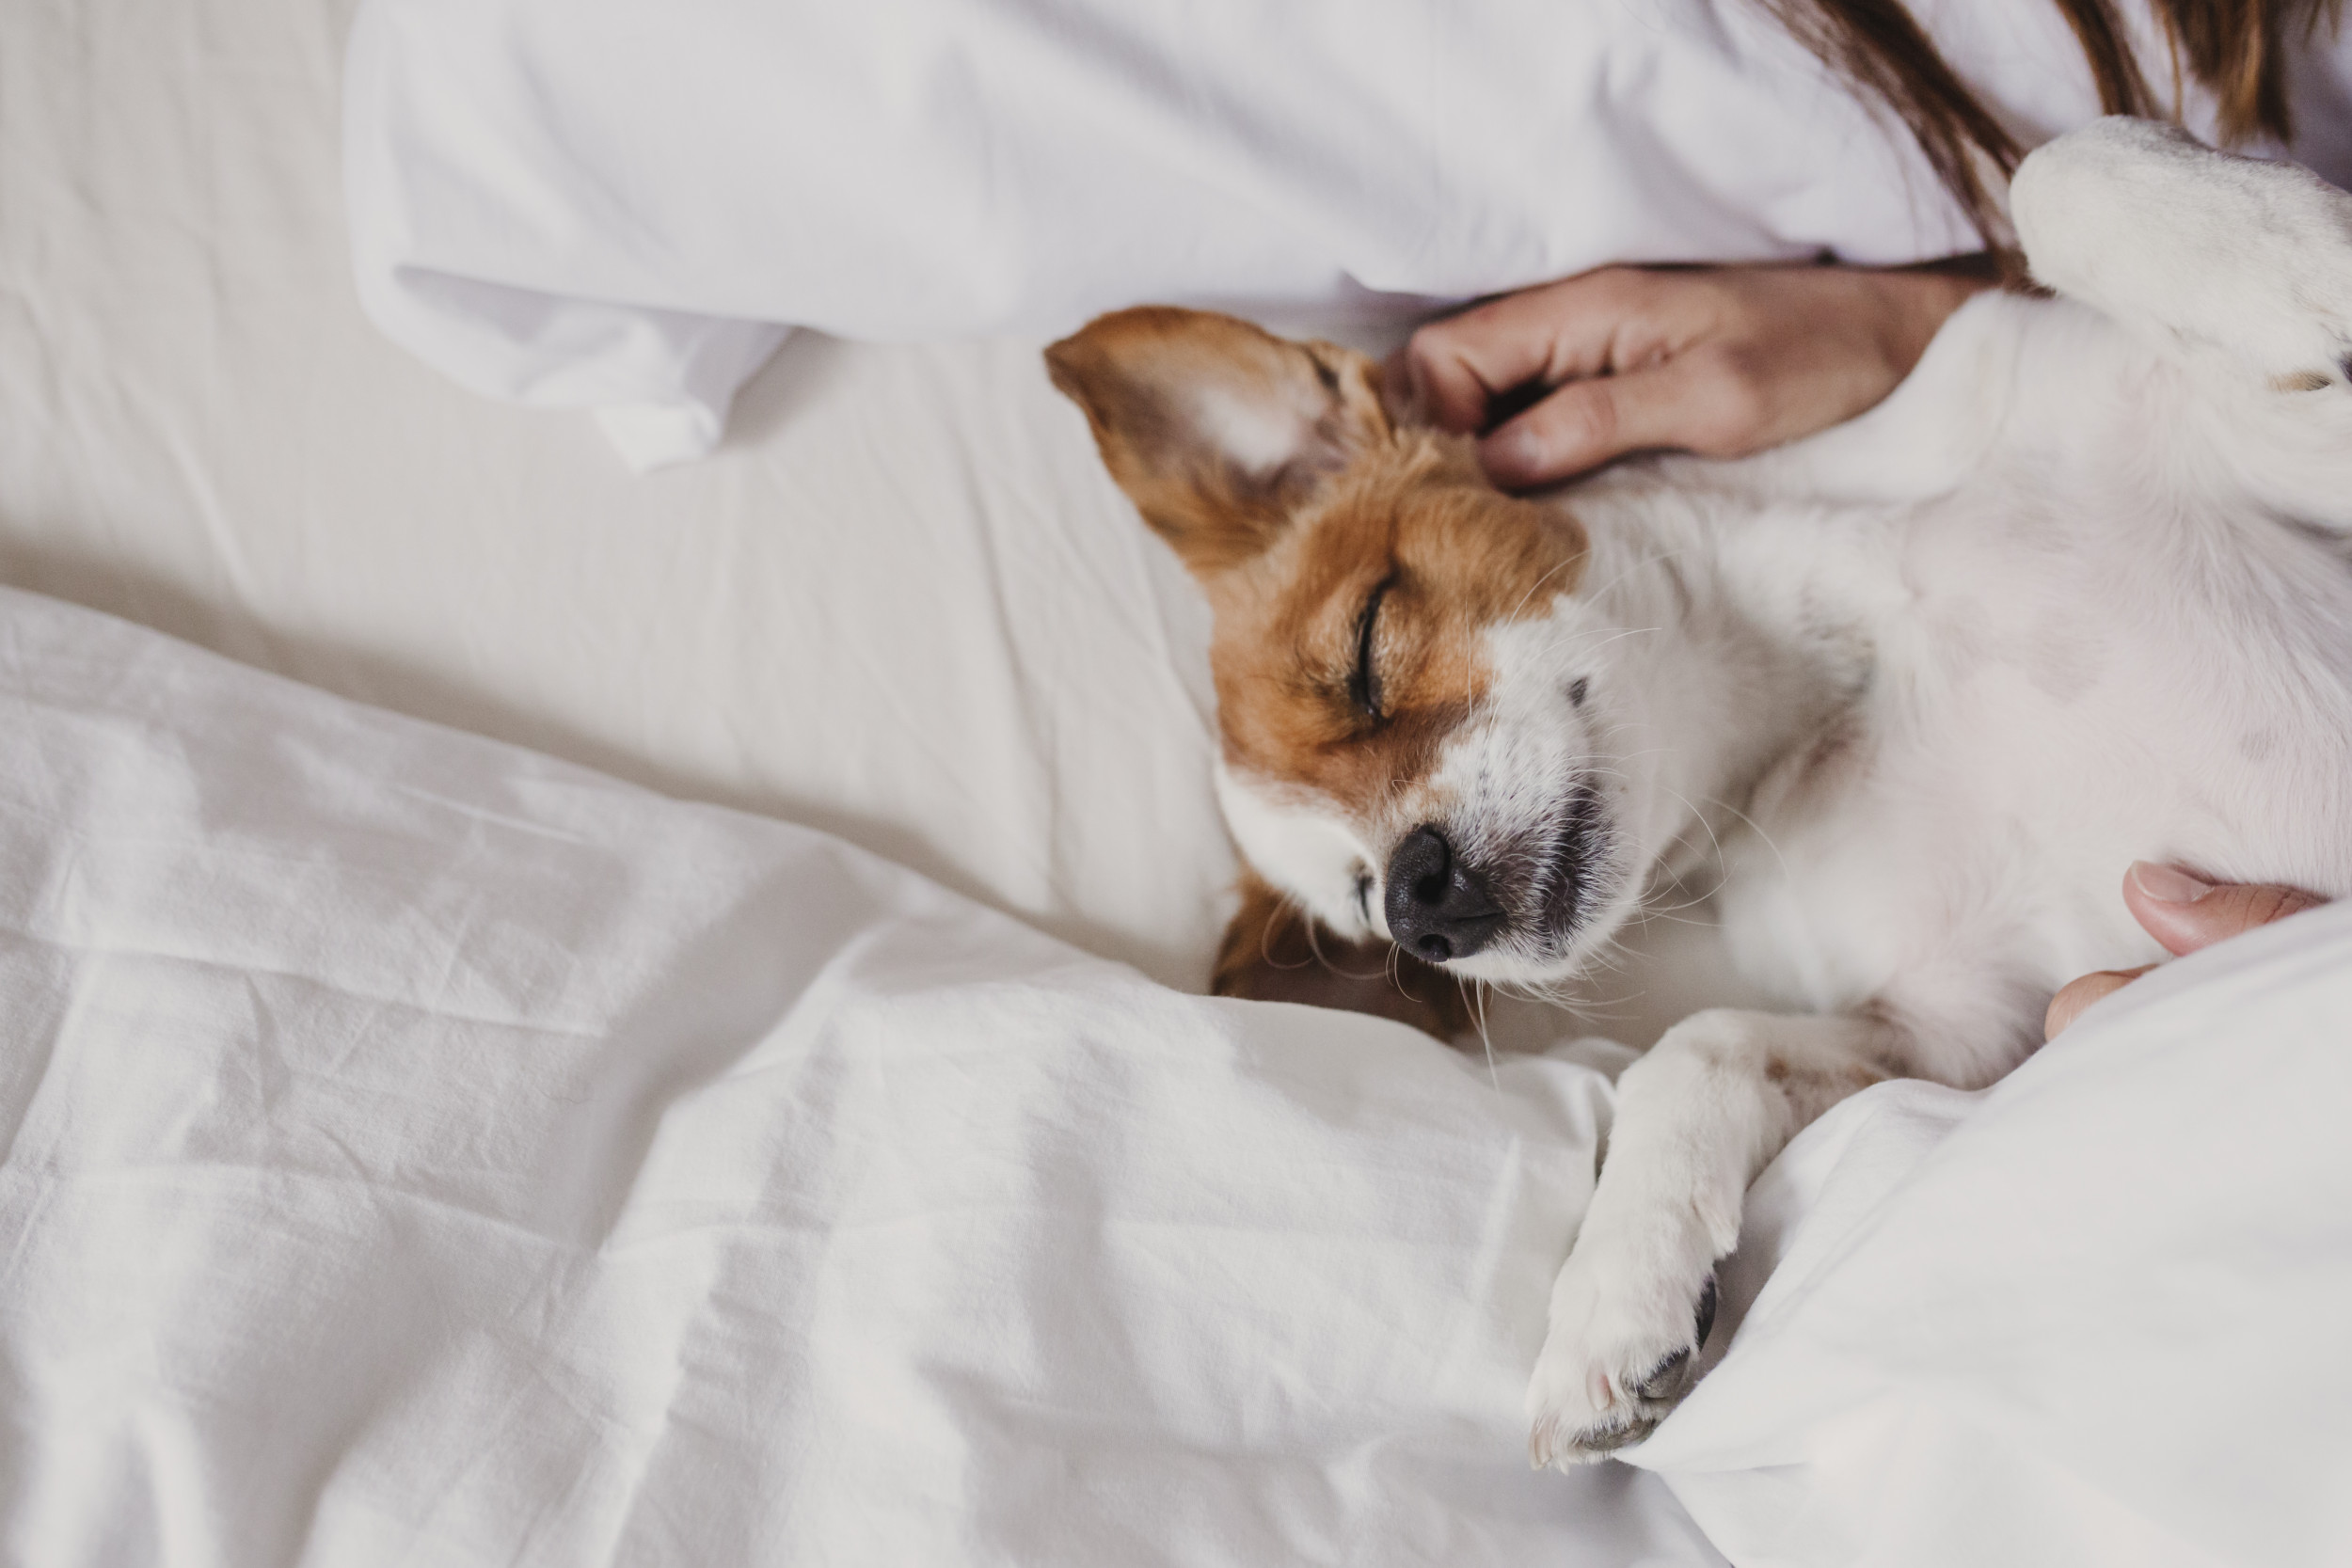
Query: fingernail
2167	884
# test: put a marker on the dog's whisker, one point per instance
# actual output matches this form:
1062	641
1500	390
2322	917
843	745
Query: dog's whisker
1756	830
1478	998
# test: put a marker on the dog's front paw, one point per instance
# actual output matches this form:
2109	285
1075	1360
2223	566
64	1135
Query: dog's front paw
1622	1352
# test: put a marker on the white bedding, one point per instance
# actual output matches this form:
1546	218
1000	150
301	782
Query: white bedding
418	1149
925	168
574	205
900	604
903	603
2092	1315
421	1151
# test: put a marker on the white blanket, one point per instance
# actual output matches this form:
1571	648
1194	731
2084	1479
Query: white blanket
2094	1315
420	1151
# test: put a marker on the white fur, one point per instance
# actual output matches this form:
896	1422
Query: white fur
1253	432
1301	845
2077	594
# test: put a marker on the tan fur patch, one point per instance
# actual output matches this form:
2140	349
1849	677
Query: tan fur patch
1284	485
1281	483
1457	556
1813	1087
1158	384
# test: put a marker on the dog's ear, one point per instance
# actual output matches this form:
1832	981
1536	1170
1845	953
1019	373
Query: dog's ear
1216	430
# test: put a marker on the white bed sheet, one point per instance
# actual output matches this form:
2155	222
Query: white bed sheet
903	603
419	1151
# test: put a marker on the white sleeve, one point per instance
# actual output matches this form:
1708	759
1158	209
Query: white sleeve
580	205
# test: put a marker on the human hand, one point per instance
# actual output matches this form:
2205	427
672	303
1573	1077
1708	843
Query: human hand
1721	362
2184	914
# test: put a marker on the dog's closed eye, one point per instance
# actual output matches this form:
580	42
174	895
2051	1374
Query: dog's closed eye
1363	684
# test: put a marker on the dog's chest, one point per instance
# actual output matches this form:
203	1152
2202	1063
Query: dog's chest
2048	699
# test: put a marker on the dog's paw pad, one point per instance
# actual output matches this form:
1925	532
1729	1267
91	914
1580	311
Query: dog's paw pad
1672	1377
1664	1381
1599	1390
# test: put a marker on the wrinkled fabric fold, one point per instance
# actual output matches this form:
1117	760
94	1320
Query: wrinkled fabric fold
421	1150
595	205
588	206
2087	1316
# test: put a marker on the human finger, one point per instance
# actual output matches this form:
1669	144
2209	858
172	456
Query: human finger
2187	912
1699	402
2070	1002
1453	371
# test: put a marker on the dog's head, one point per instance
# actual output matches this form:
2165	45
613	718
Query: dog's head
1414	699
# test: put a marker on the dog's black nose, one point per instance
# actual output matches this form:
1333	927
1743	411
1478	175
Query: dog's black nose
1438	908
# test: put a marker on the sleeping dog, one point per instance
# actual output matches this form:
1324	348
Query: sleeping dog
2077	594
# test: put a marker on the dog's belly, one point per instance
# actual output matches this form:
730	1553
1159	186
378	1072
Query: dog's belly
1954	847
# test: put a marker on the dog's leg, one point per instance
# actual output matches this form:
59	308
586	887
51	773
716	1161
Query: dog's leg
2238	270
1274	953
1697	1118
2200	254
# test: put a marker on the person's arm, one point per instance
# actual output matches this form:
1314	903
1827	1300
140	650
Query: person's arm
1721	362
